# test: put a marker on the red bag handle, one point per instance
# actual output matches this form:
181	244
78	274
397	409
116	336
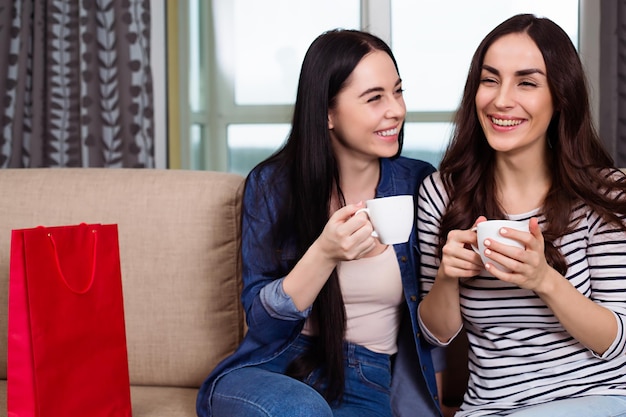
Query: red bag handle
93	267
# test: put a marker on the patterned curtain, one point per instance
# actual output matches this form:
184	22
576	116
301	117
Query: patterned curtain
75	84
613	78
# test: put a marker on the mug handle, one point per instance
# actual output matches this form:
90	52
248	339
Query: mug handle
366	211
475	229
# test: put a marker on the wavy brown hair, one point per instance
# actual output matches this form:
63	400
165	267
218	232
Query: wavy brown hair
582	170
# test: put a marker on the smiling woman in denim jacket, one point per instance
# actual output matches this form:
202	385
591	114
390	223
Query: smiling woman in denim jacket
331	310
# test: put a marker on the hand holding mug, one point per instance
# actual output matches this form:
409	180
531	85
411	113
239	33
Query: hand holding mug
457	261
532	271
345	237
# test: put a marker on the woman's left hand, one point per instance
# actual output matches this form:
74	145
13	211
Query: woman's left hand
528	266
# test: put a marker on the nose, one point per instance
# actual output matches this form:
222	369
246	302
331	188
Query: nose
504	98
396	108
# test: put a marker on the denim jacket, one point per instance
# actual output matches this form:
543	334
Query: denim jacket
273	320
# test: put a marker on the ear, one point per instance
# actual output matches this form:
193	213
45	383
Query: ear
331	125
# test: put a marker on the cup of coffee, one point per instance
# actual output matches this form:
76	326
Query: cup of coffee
490	229
392	218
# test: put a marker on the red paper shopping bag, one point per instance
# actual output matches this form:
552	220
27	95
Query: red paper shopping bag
67	352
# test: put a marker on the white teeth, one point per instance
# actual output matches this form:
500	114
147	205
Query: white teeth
389	132
505	122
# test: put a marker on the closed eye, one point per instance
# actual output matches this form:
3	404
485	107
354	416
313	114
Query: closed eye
488	81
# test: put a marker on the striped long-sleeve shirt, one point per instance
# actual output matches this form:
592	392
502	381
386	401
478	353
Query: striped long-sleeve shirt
519	352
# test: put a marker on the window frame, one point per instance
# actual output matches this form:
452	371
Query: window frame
220	109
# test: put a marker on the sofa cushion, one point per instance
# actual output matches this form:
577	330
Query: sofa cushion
179	237
163	401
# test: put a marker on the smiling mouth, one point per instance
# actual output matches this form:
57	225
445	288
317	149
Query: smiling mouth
389	132
505	122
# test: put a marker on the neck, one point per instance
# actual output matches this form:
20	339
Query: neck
359	180
522	185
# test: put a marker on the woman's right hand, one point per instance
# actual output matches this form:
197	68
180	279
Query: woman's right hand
459	260
347	237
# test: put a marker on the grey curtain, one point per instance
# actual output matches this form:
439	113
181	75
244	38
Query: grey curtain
75	84
613	78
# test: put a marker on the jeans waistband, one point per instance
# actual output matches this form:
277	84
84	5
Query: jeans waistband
353	352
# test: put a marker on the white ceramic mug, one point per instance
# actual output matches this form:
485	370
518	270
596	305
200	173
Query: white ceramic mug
392	218
490	229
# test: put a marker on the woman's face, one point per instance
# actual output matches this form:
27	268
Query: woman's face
513	101
369	111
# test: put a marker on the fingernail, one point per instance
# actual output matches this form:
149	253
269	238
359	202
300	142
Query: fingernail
502	231
487	252
487	242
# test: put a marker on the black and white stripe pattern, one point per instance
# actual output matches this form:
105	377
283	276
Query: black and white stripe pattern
519	352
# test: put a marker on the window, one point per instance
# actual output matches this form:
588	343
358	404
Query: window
242	58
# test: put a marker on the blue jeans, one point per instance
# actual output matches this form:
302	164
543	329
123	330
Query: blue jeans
589	406
265	391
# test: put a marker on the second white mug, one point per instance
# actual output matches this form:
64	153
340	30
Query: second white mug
490	229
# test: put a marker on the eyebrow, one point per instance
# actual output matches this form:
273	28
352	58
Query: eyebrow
523	72
376	89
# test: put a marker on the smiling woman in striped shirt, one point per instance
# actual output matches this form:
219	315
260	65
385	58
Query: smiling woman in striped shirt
547	338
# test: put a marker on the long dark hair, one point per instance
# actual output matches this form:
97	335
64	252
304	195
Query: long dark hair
582	170
307	164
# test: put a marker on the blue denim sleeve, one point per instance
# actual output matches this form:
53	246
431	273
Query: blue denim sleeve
270	313
278	304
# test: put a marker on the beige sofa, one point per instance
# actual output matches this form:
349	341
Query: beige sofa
179	235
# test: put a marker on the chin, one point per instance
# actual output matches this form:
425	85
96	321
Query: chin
389	150
388	155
